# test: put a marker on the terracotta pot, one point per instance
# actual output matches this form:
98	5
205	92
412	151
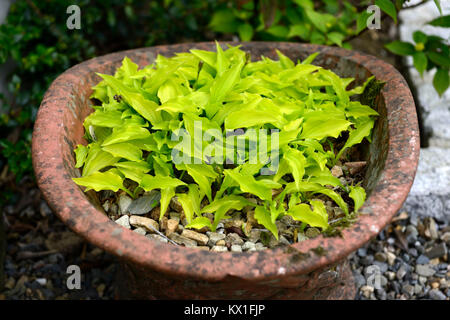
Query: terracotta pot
313	269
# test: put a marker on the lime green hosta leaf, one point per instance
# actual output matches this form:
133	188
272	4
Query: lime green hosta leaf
249	118
101	181
203	175
320	127
124	150
144	107
356	136
191	202
199	223
97	159
336	198
358	194
222	63
326	181
133	170
128	68
355	109
138	166
315	218
168	91
248	183
296	161
150	182
263	216
166	195
125	134
222	86
221	206
101	118
80	155
205	56
285	61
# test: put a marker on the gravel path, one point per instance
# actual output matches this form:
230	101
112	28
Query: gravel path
408	260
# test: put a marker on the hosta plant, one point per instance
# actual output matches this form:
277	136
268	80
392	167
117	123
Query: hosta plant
174	126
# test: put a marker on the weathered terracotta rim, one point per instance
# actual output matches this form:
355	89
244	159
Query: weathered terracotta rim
72	206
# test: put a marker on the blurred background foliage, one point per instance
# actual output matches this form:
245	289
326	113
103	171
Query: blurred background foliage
36	41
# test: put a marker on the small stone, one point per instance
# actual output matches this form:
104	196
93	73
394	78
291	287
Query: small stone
380	256
284	241
359	280
44	209
163	223
221	243
200	238
124	221
175	215
157	237
408	289
422	259
215	236
175	204
219	249
422	280
255	235
183	240
436	294
391	258
431	229
204	248
234	238
148	224
437	251
336	171
144	204
301	237
10	283
124	203
417	289
382	265
249	246
101	289
140	230
312	232
390	275
355	167
259	246
362	252
401	272
446	237
435	285
367	291
155	213
424	270
172	226
106	205
236	248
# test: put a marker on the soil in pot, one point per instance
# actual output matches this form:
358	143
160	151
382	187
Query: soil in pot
227	205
